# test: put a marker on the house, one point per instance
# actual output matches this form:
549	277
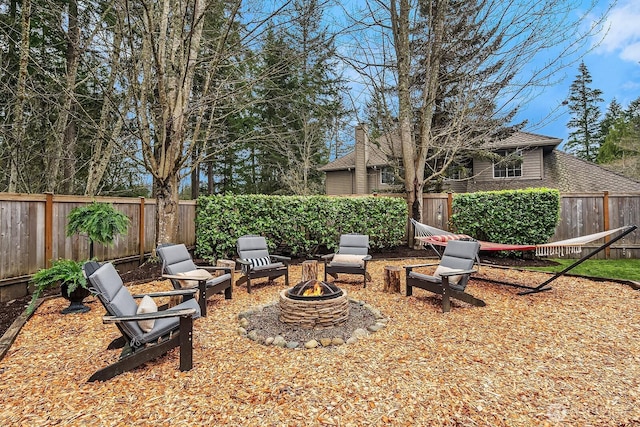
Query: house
367	169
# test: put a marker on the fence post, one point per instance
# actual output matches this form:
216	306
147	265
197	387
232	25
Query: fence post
449	208
605	214
141	232
48	229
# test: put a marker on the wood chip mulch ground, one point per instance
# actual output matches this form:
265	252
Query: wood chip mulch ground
567	357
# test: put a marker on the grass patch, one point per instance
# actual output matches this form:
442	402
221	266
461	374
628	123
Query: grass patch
626	269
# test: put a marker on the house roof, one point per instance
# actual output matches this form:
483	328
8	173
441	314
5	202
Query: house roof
381	149
568	174
379	153
575	175
524	140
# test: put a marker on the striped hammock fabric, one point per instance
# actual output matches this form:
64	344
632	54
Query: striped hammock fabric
427	234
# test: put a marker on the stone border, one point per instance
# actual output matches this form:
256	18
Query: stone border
279	341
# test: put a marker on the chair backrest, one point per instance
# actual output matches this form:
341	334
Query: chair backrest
252	247
460	255
175	258
354	244
106	283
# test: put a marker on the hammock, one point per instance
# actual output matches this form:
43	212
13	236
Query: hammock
427	234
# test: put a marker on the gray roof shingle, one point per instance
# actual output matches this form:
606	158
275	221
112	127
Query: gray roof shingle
568	174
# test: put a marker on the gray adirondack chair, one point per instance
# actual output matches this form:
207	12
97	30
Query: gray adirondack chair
256	262
452	275
351	258
176	260
171	328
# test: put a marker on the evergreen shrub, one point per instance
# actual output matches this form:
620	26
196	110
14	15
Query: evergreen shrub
516	217
296	225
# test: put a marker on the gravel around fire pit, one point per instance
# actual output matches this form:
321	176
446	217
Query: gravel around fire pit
262	323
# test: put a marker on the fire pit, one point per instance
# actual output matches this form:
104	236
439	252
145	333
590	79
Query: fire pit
314	304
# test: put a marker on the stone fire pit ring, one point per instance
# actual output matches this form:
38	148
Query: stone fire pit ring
314	313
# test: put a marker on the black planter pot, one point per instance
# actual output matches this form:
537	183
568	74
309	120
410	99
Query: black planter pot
75	298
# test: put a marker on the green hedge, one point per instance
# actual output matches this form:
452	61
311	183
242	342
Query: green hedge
296	225
513	216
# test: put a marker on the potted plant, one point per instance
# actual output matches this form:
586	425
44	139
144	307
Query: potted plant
101	222
68	275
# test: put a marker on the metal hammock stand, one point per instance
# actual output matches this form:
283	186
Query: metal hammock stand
433	236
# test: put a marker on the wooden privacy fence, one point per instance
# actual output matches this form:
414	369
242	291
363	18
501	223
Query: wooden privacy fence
580	214
33	228
33	232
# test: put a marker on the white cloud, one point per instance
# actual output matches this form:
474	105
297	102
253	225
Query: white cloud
631	52
623	34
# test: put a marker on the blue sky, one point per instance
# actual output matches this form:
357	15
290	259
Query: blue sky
614	64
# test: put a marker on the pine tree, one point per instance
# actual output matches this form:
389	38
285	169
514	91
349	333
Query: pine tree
609	126
301	105
583	105
621	148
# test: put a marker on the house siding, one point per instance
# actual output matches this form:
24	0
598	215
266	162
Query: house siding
531	168
542	166
339	182
455	186
373	180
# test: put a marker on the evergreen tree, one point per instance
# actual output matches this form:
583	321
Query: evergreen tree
612	115
609	127
583	105
621	148
300	103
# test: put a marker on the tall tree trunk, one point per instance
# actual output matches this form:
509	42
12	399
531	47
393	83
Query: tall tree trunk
210	178
56	149
174	63
437	15
167	215
195	175
103	149
18	111
413	185
69	164
105	139
415	149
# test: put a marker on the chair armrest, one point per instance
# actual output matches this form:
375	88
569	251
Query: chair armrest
367	258
148	316
168	293
280	257
327	257
215	268
410	267
457	272
243	262
179	277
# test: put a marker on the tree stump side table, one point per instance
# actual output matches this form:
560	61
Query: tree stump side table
391	279
309	270
226	263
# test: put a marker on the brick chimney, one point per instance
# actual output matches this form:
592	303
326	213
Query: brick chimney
362	158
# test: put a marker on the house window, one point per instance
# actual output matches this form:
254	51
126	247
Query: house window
387	176
509	166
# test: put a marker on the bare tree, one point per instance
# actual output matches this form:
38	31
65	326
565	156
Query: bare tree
178	54
107	132
18	124
454	73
